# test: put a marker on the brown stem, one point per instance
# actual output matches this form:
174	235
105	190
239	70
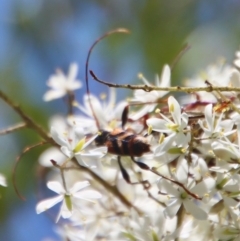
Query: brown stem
110	188
28	120
153	170
31	124
149	88
13	129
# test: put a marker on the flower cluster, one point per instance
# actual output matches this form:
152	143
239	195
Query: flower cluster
158	170
192	168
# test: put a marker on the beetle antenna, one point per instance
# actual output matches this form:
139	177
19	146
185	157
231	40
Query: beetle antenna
118	30
184	49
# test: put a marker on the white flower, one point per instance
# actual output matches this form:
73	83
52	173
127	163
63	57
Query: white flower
216	74
108	113
3	181
76	233
236	62
173	128
141	96
145	227
74	144
198	168
215	129
61	84
224	187
52	153
180	197
167	152
235	78
227	232
226	152
67	197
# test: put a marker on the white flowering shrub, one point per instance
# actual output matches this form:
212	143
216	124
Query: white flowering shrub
169	172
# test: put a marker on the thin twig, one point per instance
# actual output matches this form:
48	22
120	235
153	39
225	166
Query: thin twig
149	88
13	129
153	170
148	192
27	149
28	120
61	169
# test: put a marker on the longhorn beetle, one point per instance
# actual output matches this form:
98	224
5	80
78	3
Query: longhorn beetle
120	142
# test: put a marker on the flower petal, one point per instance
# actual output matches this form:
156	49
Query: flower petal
209	116
56	187
78	186
182	170
165	77
66	151
57	137
72	73
193	209
89	141
175	110
168	187
88	195
158	125
63	212
46	156
48	203
53	94
172	208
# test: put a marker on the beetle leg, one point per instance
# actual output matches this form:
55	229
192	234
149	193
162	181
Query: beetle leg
126	176
141	164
